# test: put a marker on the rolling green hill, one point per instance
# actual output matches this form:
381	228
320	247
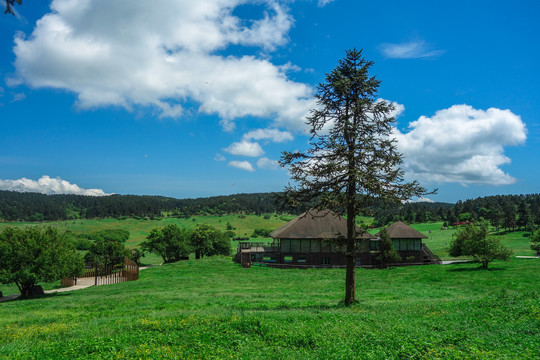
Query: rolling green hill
244	225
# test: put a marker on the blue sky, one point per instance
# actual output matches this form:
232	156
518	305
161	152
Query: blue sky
199	98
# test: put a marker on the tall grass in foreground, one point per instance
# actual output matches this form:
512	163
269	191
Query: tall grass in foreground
214	309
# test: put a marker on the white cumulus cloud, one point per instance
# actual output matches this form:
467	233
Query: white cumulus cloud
416	49
245	148
398	108
269	134
165	56
419	199
461	144
219	157
322	3
48	185
244	165
266	163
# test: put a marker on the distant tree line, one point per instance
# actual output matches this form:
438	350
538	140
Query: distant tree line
16	206
504	212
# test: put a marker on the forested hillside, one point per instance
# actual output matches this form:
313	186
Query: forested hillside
503	211
509	212
15	206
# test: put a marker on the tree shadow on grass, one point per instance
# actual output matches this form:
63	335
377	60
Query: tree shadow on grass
321	307
479	268
17	297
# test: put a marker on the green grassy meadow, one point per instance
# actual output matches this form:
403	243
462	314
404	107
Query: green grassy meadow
438	240
214	309
139	229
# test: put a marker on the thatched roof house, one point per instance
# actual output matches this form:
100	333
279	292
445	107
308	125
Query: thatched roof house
400	230
314	239
315	224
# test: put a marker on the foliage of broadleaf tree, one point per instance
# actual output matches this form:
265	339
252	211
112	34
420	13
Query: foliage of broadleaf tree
353	158
474	240
107	252
387	253
535	242
29	256
208	241
171	242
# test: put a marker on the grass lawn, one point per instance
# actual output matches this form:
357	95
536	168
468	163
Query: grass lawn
212	308
139	229
438	240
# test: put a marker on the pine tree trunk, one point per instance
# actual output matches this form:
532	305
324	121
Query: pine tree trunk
350	276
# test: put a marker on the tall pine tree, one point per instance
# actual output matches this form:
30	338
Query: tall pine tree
353	159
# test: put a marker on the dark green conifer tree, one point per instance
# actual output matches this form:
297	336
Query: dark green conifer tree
353	159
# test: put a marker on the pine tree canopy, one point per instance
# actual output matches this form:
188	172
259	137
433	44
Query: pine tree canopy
352	149
353	159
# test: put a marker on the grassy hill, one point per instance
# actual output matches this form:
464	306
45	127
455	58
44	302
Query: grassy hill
438	240
214	309
139	229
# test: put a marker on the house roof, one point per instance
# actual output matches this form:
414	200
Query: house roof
400	230
315	224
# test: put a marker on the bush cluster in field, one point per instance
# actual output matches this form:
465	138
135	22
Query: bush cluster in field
85	241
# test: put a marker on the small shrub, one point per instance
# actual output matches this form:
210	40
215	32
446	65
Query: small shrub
261	232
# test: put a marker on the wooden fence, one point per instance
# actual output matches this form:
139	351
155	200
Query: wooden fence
112	272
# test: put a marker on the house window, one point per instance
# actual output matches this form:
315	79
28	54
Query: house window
374	245
316	246
301	258
287	259
326	260
295	245
304	246
407	244
325	246
285	245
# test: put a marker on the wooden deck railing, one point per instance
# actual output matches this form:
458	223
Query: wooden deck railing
113	272
429	253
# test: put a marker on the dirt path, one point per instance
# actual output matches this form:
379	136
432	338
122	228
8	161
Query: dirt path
82	283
